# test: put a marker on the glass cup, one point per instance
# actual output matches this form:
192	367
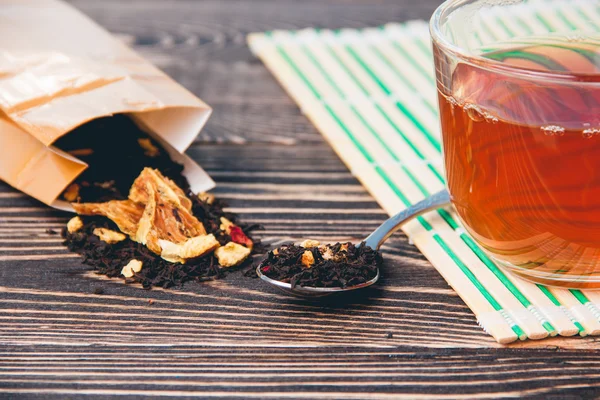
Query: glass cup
519	95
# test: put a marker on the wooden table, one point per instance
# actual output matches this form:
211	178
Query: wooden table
410	336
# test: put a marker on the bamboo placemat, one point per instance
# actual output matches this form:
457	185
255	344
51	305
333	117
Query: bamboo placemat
371	93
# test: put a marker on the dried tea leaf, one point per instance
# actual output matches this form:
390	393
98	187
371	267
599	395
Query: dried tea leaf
109	236
191	248
232	254
125	213
74	224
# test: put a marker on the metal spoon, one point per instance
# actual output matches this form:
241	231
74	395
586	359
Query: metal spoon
374	240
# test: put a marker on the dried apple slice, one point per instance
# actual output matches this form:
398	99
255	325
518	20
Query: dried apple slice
125	213
157	209
74	224
191	248
109	236
232	254
168	188
164	217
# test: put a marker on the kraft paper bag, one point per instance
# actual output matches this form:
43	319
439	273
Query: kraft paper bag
59	70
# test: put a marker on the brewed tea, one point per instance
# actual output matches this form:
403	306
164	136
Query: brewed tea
522	155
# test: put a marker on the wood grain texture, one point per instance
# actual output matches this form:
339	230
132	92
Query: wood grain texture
236	338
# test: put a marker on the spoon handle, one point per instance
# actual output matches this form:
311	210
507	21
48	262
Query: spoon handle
385	230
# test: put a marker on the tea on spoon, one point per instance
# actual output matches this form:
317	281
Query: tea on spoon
312	264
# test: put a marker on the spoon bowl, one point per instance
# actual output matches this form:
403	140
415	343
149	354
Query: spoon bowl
313	292
374	240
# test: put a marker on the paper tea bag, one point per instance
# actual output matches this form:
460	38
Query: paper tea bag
60	70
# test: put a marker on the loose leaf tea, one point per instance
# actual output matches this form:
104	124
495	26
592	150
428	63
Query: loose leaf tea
313	265
135	193
110	259
116	150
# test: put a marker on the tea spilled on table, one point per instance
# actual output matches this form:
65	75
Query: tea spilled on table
522	156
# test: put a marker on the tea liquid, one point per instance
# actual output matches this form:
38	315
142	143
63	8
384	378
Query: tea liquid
522	156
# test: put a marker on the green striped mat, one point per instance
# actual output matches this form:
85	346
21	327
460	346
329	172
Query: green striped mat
371	93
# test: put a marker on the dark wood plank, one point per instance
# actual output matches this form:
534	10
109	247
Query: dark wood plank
312	373
235	337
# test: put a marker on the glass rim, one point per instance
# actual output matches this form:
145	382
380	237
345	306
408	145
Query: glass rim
440	40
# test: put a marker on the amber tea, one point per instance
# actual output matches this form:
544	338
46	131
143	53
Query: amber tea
522	156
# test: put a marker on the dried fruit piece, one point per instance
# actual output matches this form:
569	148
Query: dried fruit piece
236	233
72	193
74	224
146	232
226	225
125	213
308	259
238	236
131	268
326	252
191	248
157	209
109	236
207	198
172	192
165	216
308	243
127	272
150	150
232	254
136	265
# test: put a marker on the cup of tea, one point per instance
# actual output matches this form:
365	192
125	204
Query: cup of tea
519	96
